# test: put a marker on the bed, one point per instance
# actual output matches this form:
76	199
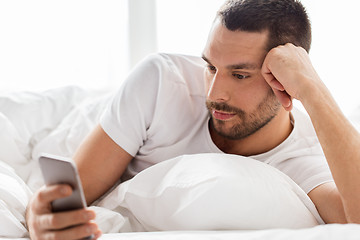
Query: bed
155	204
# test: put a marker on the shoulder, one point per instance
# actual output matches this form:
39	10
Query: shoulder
171	62
165	70
172	72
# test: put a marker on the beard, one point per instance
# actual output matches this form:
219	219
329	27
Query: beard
247	123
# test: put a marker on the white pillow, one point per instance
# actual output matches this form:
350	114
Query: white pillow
34	112
213	192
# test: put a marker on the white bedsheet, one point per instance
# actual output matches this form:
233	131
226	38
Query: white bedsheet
322	232
55	122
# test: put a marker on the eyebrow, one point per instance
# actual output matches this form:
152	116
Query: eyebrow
248	66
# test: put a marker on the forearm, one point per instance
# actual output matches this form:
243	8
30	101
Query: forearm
341	145
100	162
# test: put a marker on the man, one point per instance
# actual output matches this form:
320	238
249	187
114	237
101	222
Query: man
256	64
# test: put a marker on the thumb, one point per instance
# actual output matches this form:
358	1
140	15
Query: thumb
278	89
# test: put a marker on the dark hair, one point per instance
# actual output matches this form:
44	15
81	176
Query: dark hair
285	20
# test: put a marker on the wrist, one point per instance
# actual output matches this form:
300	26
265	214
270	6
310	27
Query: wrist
316	97
310	91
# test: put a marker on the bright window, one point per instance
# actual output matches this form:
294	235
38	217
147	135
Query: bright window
46	44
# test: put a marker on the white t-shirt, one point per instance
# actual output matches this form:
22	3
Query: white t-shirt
160	113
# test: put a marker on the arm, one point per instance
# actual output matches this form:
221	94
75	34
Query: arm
341	144
100	162
288	70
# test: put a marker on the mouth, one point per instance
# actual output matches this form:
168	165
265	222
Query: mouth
223	116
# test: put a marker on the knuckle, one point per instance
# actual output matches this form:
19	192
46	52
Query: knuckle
53	236
47	221
32	209
37	235
53	221
41	197
34	224
277	52
303	50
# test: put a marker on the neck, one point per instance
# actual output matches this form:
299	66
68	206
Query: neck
265	139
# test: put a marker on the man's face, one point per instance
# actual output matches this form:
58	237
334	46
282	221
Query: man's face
238	98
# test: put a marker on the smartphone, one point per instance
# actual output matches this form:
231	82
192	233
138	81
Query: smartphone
57	170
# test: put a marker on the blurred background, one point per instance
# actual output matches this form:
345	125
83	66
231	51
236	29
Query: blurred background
94	44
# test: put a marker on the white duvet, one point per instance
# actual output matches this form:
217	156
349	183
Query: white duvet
57	120
54	121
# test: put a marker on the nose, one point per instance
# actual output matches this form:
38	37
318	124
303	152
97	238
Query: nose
218	90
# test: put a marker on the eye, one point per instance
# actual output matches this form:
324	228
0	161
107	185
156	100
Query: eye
211	68
240	76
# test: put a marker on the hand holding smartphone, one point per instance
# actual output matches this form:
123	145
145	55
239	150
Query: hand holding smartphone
60	170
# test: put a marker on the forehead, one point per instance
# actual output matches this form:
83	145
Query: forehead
225	47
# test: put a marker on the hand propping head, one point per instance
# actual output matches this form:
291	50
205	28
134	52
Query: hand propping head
290	73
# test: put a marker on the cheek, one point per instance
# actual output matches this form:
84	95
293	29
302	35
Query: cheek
245	98
249	97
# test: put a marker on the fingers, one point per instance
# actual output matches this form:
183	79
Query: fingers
43	224
77	232
66	225
268	76
284	98
271	80
61	220
43	198
275	84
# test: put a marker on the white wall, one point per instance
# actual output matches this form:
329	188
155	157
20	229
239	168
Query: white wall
336	50
45	43
183	26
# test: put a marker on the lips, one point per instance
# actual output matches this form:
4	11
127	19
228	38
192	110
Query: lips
223	116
